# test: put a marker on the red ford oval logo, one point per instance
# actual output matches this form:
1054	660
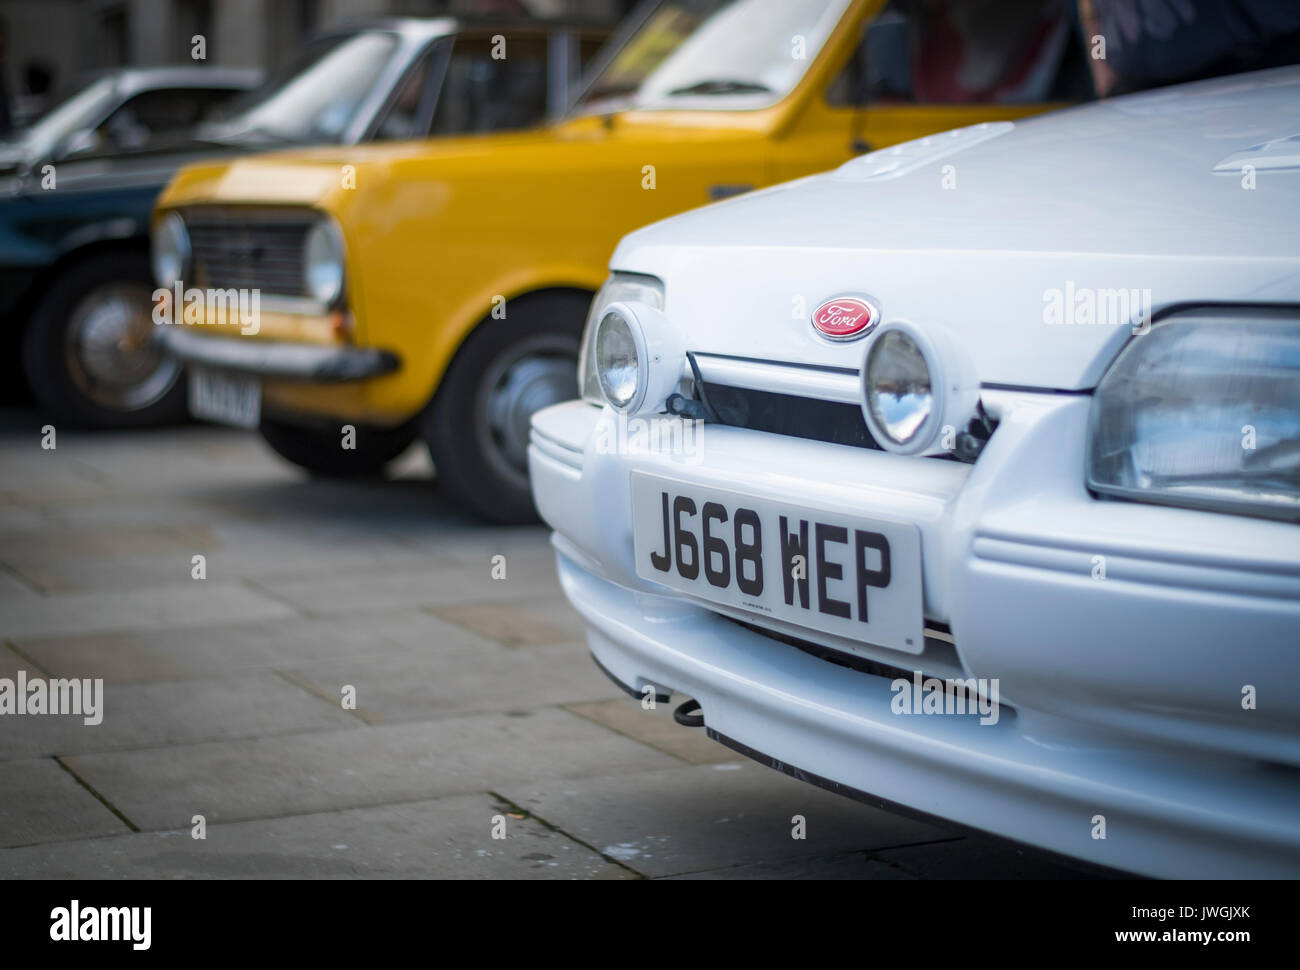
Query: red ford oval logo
845	318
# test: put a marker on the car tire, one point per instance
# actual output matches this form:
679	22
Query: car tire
477	428
320	450
88	351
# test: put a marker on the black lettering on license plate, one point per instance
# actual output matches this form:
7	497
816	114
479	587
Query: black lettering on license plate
695	541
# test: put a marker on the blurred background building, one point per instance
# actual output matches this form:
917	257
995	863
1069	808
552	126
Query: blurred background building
47	44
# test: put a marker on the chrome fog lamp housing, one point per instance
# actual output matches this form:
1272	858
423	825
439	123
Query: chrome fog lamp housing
638	357
169	250
323	262
915	383
619	288
621	365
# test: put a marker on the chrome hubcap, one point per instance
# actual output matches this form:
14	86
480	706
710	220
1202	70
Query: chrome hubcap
540	373
110	350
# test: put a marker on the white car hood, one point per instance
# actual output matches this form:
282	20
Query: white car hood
1146	193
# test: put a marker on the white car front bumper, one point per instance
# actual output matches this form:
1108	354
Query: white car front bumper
1122	637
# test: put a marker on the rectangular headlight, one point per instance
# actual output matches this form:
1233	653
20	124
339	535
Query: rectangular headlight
1203	411
621	287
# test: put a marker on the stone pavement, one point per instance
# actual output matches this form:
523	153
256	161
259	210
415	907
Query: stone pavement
476	704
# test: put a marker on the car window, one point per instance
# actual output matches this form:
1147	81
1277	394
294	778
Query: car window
483	92
571	54
964	52
317	97
734	54
79	110
409	111
213	100
152	113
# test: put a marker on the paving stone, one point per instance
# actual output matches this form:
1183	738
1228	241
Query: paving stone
10	662
406	511
438	584
691	819
271	558
124	574
120	658
41	802
233	780
165	458
525	544
975	858
192	604
529	623
452	681
36	477
656	728
230	648
841	866
445	838
59	558
17	595
176	713
20	518
14	585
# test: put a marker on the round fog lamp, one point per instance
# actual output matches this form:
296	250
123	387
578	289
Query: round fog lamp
899	391
917	381
619	361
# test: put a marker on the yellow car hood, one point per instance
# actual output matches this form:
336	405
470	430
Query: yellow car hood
312	176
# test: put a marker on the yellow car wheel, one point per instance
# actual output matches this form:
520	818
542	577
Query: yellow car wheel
477	429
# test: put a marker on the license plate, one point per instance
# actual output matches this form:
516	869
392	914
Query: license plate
225	398
852	577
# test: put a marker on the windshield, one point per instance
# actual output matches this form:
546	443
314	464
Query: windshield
316	99
714	53
83	109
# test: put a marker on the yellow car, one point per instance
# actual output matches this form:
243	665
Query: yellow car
346	301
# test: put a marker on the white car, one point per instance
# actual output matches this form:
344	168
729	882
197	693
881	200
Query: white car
966	478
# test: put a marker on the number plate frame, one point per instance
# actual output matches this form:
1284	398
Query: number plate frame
895	617
231	399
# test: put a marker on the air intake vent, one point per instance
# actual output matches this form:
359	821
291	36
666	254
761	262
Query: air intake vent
799	417
249	249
